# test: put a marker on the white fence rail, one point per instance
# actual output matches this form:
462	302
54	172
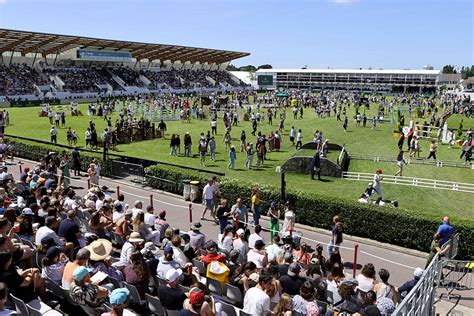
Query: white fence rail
415	161
415	182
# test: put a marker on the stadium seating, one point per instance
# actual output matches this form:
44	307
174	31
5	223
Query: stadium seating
17	79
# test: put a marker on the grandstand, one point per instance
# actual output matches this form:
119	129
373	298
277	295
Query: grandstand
377	80
39	65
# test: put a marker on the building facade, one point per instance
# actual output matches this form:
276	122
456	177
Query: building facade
412	81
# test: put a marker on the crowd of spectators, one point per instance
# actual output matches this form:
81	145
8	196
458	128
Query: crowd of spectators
106	255
128	75
19	79
77	79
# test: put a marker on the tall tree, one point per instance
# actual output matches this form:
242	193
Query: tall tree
449	69
265	66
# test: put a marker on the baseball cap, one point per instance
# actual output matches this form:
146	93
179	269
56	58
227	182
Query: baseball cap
418	273
168	250
211	246
173	274
80	273
119	296
138	202
294	269
196	298
27	211
240	232
288	256
53	252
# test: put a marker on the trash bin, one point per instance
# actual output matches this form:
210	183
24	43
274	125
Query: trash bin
186	189
194	190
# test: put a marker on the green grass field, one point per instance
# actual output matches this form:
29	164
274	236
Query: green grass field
358	140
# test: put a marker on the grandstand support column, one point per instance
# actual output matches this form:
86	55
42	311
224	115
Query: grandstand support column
11	58
34	59
55	59
356	247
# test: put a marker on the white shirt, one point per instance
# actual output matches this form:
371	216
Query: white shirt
365	284
98	204
227	244
292	132
298	137
256	302
255	257
53	132
253	238
127	250
241	246
150	219
208	192
44	232
70	204
118	215
97	170
135	212
179	257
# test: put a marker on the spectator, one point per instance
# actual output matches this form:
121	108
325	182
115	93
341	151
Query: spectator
170	296
349	303
292	282
366	279
3	298
255	236
198	239
130	246
118	300
69	230
160	224
370	305
137	273
224	240
166	262
212	254
83	292
409	285
53	265
445	230
256	301
82	257
305	302
241	245
240	211
258	255
284	306
383	288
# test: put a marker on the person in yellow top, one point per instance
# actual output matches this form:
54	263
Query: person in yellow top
256	206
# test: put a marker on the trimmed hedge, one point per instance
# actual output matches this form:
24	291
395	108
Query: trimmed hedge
37	151
398	226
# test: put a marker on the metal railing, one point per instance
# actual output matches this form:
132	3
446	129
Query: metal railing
415	182
420	301
132	172
414	161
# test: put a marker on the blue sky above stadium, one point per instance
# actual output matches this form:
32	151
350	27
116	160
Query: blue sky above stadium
291	33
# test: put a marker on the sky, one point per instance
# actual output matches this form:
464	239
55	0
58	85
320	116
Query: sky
390	34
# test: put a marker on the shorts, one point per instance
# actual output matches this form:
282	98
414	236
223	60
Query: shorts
209	203
292	139
17	255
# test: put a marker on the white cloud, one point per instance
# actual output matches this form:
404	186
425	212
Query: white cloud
3	2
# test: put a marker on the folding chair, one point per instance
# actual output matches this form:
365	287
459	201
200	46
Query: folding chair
200	265
323	305
227	309
118	240
20	306
171	312
154	305
37	312
242	313
234	294
183	288
134	294
215	286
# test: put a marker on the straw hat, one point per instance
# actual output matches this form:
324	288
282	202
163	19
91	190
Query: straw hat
135	237
100	249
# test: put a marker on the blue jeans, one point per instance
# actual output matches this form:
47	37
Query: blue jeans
223	222
256	214
331	246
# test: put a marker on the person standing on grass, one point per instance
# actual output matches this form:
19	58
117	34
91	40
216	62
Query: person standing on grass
162	128
432	150
214	126
344	125
207	197
203	151
377	187
250	152
212	148
400	163
232	157
54	135
292	135
298	139
401	141
57	118
243	143
187	144
316	166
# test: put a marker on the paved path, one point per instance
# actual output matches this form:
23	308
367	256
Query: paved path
399	261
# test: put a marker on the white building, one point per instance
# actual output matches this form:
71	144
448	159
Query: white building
349	79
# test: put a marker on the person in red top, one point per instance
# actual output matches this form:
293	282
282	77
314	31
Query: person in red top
212	254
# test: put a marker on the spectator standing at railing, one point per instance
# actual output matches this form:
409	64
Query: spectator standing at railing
436	248
445	230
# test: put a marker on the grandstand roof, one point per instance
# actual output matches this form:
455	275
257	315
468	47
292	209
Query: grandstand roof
31	42
355	71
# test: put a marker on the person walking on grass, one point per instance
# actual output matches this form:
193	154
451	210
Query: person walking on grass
400	163
203	151
377	186
250	153
212	148
292	135
232	157
433	148
316	166
344	125
298	139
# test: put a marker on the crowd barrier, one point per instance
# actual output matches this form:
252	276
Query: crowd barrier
414	161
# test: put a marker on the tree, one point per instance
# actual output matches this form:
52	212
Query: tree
248	68
449	69
467	72
231	67
265	66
